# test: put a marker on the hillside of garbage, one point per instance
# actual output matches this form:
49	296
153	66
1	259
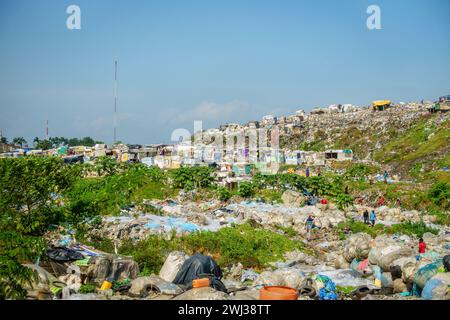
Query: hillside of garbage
374	228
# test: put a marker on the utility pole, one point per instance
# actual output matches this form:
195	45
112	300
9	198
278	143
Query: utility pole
115	102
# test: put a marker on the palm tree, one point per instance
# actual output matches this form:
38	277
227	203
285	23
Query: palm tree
19	141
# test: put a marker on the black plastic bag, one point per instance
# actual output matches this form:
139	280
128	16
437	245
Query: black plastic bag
446	261
64	254
199	266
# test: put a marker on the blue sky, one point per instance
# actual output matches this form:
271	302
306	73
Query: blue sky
216	61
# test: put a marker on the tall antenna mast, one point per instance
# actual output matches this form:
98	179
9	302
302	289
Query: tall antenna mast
46	130
115	101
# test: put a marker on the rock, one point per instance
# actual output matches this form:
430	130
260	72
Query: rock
399	286
205	293
357	246
172	265
292	199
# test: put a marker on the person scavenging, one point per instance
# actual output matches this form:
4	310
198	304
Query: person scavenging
366	216
372	218
309	224
422	246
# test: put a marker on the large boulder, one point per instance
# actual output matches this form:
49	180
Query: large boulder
292	199
357	246
172	265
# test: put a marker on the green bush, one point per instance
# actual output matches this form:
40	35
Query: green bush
411	228
354	226
242	243
439	194
246	189
87	288
189	178
149	253
224	193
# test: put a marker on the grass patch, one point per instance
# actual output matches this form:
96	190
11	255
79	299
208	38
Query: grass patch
240	243
406	228
269	195
87	288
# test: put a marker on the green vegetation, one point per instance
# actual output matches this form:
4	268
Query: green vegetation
224	194
439	194
118	187
87	288
29	204
55	142
423	147
241	243
246	189
408	228
189	178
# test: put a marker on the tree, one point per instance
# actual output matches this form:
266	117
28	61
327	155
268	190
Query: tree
30	190
189	178
4	140
44	144
19	141
36	141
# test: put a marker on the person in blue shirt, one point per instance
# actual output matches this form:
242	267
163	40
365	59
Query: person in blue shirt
372	218
309	224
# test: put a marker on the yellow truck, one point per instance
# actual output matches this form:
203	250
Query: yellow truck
380	105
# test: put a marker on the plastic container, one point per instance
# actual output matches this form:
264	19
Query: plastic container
106	285
278	293
200	283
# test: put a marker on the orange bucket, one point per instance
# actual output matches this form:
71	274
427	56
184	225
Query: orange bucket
200	283
278	293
